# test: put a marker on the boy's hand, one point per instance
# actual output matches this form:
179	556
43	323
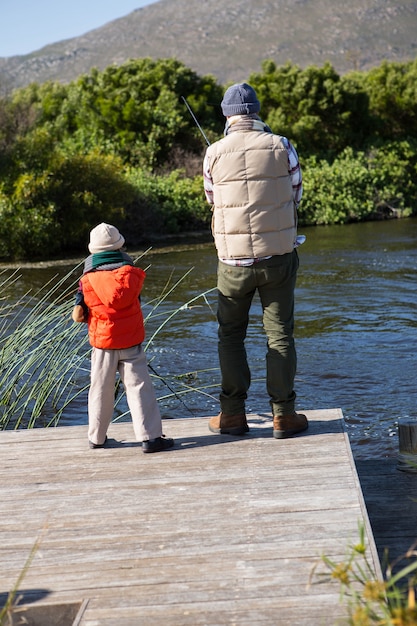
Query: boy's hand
78	314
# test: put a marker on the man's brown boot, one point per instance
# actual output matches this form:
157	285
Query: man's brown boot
289	425
229	424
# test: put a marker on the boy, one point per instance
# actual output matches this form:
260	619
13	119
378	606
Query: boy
108	300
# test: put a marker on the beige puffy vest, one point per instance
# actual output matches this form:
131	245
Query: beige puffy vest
253	207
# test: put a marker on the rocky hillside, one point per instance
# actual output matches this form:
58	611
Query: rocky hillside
230	40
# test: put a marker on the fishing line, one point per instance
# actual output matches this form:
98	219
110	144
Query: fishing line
170	388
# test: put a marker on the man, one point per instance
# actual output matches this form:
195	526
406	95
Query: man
253	181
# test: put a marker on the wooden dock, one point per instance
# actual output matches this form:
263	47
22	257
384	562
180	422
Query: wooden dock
219	530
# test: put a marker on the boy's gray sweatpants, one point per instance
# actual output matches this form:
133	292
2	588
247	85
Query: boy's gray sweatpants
140	394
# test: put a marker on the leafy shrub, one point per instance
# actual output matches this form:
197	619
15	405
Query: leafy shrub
335	193
392	92
54	209
170	203
120	145
358	186
393	170
27	232
320	112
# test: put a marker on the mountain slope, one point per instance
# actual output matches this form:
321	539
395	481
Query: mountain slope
231	40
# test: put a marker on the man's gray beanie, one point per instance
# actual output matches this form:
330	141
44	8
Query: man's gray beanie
240	99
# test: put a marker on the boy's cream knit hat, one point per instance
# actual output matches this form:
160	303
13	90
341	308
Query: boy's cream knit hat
105	237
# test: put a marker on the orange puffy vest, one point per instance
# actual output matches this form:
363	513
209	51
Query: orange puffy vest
115	319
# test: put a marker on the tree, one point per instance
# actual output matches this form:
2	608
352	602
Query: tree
313	107
392	92
136	109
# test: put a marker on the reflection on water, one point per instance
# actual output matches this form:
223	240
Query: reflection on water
356	323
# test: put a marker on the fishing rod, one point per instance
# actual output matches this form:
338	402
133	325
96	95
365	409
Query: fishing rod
195	120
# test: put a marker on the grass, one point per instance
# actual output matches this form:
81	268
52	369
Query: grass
13	598
371	601
44	355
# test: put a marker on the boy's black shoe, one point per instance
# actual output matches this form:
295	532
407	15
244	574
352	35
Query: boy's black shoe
93	446
157	445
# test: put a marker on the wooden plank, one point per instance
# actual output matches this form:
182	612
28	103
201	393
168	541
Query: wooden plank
218	530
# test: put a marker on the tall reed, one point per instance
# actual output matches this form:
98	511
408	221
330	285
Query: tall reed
44	356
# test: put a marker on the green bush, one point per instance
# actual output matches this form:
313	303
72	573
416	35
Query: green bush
170	203
120	145
52	210
27	232
314	107
393	170
358	186
337	192
392	92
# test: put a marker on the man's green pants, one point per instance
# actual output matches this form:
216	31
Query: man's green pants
275	279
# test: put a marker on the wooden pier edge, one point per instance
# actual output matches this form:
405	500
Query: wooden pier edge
366	521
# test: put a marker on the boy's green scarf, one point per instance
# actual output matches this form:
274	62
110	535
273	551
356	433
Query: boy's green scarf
107	258
111	258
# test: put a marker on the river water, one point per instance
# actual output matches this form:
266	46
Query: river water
356	330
